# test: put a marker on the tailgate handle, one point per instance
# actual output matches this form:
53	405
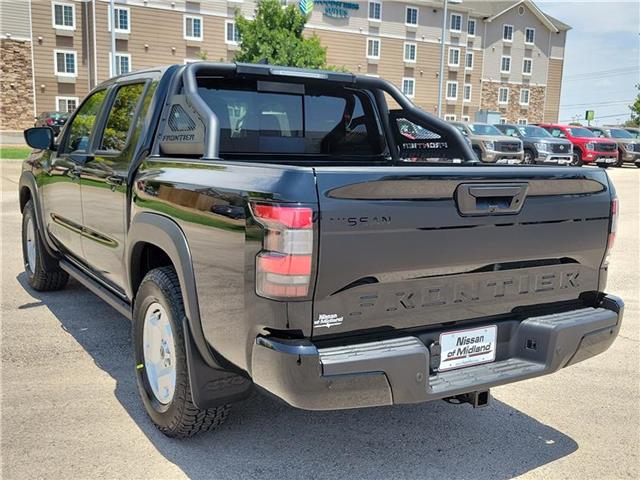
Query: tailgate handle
491	199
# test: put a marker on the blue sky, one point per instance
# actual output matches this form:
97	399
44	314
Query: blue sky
602	57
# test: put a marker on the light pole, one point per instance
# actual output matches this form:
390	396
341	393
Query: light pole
443	37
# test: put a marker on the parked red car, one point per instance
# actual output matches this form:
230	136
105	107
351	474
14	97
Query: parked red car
586	147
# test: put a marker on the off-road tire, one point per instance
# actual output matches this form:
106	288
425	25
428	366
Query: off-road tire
180	418
46	275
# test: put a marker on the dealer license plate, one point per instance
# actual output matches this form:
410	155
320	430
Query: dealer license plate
607	160
467	347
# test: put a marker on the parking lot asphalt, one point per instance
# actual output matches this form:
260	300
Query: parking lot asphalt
70	407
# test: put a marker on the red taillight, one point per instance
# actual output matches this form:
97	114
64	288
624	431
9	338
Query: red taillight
290	217
49	121
284	264
283	268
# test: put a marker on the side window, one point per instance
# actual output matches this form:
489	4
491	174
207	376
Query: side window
121	117
511	132
556	132
82	125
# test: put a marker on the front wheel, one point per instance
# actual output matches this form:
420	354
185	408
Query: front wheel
528	157
620	161
42	270
160	359
577	159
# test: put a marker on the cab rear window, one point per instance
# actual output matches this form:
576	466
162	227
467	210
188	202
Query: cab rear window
265	118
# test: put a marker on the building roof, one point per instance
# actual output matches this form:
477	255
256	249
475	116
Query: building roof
494	9
498	8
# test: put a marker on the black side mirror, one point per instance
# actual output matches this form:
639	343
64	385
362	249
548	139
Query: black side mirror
40	138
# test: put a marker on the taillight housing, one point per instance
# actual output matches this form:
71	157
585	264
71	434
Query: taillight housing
613	225
284	266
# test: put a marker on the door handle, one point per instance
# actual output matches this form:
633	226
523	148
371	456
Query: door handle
491	199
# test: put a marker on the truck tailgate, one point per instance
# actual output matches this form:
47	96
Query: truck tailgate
416	246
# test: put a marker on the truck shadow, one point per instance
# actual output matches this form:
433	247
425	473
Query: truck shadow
267	439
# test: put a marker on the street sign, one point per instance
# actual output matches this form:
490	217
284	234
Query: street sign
590	115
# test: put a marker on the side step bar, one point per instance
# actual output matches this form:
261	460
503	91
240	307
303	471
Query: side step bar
124	308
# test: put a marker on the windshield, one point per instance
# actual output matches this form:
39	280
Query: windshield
619	133
581	132
484	129
530	131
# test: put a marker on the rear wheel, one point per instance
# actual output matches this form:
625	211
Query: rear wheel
42	270
160	359
577	159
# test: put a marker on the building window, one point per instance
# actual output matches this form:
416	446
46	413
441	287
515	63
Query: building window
507	33
503	95
466	92
529	35
411	17
471	27
503	121
505	64
123	64
66	104
452	90
450	118
409	87
523	121
468	62
410	51
375	11
193	28
455	23
373	48
65	63
524	96
527	65
231	34
454	57
122	19
466	118
64	16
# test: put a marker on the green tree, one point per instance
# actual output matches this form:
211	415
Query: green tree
635	111
276	36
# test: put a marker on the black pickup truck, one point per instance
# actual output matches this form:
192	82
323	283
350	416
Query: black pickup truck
261	227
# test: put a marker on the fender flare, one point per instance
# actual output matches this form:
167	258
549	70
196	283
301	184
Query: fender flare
164	233
211	384
28	180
